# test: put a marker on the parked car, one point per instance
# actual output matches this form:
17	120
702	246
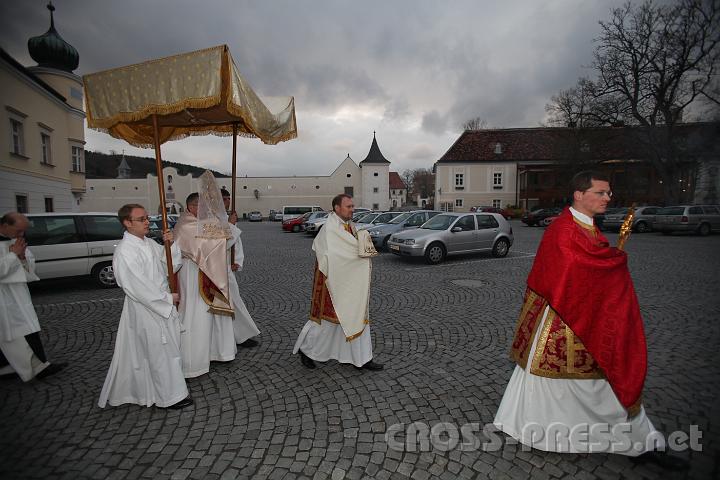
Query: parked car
277	217
700	219
455	233
358	210
358	215
499	210
74	244
599	219
296	211
295	224
254	216
548	220
536	217
156	232
315	222
642	221
380	219
380	234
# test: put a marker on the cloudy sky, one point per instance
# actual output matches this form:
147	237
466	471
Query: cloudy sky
411	70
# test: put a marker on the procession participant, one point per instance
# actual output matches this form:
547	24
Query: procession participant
146	368
22	351
339	327
579	343
244	327
206	309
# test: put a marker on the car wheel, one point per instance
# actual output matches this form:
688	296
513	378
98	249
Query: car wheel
642	227
435	253
296	228
501	248
103	275
385	243
704	229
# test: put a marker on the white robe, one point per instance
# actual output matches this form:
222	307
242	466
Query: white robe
243	325
17	314
206	336
326	341
146	367
534	406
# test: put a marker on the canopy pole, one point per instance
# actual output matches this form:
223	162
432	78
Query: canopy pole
232	183
161	189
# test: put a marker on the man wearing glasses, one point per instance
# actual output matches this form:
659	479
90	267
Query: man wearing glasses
146	368
579	343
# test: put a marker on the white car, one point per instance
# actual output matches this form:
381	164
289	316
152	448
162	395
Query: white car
73	244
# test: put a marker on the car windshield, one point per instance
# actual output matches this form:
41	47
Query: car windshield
400	218
306	216
671	211
368	218
619	211
385	217
439	222
321	215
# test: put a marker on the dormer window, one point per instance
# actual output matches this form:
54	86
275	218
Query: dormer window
498	148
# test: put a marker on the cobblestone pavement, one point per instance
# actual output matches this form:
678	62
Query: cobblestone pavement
443	333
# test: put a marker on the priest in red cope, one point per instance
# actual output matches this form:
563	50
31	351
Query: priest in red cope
579	343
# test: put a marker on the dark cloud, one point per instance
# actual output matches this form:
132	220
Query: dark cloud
406	68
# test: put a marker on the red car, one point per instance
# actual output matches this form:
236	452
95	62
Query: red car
499	210
295	224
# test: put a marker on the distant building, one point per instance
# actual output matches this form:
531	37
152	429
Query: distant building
398	191
42	148
532	167
121	180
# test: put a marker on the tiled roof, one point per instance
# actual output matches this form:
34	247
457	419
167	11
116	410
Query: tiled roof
552	144
396	182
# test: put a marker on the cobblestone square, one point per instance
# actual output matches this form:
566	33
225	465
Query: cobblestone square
443	333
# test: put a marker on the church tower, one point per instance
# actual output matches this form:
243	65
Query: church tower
375	174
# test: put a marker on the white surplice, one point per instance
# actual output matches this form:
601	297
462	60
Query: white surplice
533	404
17	314
243	325
146	367
326	341
206	336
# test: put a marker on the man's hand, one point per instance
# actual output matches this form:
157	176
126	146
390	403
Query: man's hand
176	298
232	218
18	248
168	236
235	267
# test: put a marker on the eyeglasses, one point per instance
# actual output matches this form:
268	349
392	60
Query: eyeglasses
601	193
139	219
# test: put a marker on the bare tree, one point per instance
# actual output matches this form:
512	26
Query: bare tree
476	123
423	182
653	63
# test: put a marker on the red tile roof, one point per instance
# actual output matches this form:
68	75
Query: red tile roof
396	182
551	144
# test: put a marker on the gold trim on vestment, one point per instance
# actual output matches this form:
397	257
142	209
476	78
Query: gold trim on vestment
212	308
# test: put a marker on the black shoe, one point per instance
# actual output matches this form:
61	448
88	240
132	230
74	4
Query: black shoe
249	343
371	366
662	460
185	402
305	360
51	369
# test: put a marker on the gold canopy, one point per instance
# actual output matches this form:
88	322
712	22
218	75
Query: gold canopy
196	93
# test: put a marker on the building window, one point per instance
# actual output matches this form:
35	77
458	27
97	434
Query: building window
49	204
349	191
376	206
458	202
375	174
393	192
317	187
18	142
498	148
459	181
497	180
46	149
77	154
21	203
376	189
349	175
497	203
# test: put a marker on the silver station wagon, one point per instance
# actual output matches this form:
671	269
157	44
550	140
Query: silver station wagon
452	234
642	220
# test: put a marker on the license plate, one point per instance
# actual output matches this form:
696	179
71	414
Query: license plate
394	247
